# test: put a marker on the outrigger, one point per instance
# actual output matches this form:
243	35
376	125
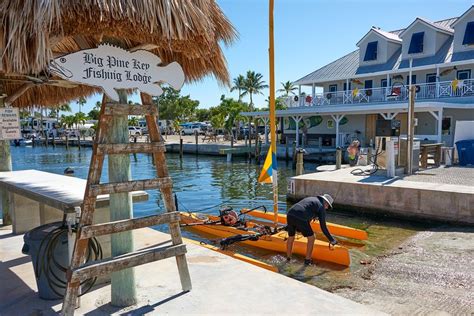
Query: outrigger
233	228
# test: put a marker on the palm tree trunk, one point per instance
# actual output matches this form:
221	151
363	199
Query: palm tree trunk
240	95
251	102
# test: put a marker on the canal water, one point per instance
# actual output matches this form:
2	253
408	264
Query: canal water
205	183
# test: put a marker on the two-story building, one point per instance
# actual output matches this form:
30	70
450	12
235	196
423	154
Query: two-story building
372	83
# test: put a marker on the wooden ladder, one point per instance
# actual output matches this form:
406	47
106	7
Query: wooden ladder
79	271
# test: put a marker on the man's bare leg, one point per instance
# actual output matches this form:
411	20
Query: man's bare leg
309	247
289	246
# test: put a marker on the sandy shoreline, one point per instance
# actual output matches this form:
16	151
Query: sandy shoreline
431	272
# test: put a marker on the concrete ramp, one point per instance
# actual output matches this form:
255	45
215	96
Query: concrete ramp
221	285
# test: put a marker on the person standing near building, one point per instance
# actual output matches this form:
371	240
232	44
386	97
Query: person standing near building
299	218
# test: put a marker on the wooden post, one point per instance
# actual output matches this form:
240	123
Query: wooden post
299	163
287	151
123	282
5	165
181	148
46	138
67	141
196	136
338	157
411	129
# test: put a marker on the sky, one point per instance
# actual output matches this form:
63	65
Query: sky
308	35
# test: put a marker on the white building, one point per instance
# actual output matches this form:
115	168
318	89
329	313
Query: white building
371	83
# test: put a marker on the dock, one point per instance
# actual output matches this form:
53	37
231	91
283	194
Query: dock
221	285
437	194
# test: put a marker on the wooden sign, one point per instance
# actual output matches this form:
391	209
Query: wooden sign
113	68
9	123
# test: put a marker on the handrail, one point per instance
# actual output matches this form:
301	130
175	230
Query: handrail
398	93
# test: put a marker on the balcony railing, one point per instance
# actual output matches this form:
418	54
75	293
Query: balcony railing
425	91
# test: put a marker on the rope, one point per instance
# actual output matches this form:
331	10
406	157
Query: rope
373	162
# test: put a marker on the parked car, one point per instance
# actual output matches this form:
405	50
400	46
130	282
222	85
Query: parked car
135	131
189	129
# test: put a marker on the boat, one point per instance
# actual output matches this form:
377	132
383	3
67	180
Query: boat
277	242
338	230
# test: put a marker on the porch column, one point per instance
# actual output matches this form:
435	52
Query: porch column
337	118
299	95
439	127
346	92
297	120
265	122
388	89
313	91
437	82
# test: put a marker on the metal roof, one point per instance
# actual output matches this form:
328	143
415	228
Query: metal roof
347	67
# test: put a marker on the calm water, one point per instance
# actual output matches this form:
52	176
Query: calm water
204	183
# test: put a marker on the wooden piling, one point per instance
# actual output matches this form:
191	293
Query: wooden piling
196	136
181	148
5	165
123	282
338	157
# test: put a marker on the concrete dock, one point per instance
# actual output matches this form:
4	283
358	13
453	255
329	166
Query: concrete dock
221	285
440	194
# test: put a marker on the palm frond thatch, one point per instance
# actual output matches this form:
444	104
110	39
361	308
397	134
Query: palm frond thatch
32	32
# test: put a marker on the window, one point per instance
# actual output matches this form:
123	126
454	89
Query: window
430	78
345	86
368	84
371	51
469	34
464	74
383	83
416	43
413	79
333	88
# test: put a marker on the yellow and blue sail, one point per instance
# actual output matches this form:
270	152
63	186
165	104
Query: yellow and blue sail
270	165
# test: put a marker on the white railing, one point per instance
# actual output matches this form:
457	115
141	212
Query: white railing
396	93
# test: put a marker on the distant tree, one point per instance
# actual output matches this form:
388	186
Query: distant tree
93	114
173	106
239	85
287	88
254	84
133	121
81	101
79	118
203	115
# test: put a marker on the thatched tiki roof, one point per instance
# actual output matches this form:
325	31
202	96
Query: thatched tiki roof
35	31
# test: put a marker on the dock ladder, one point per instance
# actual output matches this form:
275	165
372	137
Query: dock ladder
78	271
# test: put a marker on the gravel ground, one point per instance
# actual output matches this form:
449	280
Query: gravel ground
430	273
447	175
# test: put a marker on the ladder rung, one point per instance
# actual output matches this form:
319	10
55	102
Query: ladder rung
132	148
136	185
130	260
128	109
127	224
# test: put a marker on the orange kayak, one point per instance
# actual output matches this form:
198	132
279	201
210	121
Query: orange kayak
277	242
235	255
338	230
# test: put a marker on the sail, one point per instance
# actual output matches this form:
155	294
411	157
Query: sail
270	165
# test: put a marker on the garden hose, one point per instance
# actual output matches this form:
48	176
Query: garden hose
46	263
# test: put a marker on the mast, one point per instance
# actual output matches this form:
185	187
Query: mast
271	56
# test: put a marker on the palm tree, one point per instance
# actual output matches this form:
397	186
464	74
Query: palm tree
239	85
253	85
133	121
81	103
79	118
63	107
288	88
98	105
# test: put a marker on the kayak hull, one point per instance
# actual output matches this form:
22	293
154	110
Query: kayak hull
277	242
335	229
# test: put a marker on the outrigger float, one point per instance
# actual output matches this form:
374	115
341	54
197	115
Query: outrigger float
252	235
